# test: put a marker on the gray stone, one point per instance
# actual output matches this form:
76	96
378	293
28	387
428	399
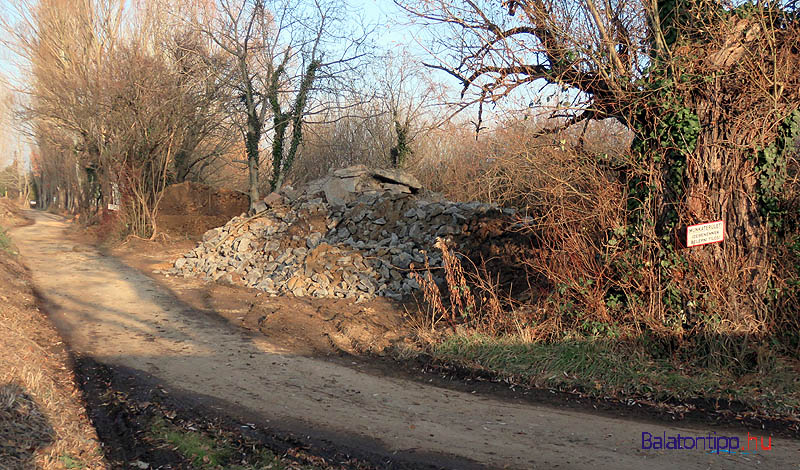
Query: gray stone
315	187
211	234
398	177
270	267
454	209
284	257
339	191
273	199
321	279
358	214
253	277
244	246
415	231
343	233
385	272
402	260
313	240
300	252
396	188
321	293
410	284
351	171
259	207
447	230
368	198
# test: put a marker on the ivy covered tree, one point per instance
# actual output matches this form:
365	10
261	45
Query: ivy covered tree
711	92
287	58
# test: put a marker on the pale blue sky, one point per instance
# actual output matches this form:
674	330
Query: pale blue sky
393	33
390	34
8	15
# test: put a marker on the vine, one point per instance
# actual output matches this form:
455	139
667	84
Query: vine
772	169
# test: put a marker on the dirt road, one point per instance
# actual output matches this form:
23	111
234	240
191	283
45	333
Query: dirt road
123	318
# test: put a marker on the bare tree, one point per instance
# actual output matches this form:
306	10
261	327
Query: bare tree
379	123
277	53
412	100
120	101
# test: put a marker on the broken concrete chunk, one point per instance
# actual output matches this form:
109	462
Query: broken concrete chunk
351	171
339	191
212	234
397	188
398	177
273	199
259	206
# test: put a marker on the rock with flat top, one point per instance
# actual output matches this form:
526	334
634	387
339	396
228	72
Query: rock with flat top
397	177
273	199
340	191
259	206
351	171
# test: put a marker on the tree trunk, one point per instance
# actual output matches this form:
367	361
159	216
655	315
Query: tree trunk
252	138
181	166
714	177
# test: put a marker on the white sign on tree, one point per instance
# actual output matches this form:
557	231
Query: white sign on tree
703	234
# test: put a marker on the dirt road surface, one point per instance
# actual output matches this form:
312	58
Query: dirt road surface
123	318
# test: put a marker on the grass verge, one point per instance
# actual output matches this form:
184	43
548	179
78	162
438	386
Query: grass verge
609	369
6	244
211	451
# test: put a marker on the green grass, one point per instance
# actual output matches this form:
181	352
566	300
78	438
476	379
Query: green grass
71	463
5	242
204	451
604	368
212	452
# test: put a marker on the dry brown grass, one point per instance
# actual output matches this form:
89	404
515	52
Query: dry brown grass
569	205
593	274
43	424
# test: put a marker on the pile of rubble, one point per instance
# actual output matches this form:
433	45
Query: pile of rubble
352	234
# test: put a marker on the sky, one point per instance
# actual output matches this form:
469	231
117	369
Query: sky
393	32
8	15
384	14
11	139
393	29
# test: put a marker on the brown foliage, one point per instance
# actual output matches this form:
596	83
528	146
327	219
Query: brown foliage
584	275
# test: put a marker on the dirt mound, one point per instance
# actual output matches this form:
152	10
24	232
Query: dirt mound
10	214
190	209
